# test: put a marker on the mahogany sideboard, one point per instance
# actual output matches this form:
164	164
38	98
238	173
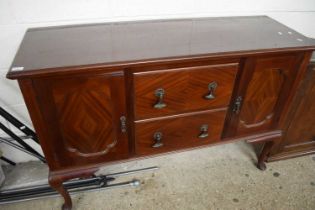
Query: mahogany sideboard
105	93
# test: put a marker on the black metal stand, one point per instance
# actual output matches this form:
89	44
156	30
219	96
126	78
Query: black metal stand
18	124
22	145
73	186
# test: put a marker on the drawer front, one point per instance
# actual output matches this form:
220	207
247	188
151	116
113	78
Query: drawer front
180	132
163	92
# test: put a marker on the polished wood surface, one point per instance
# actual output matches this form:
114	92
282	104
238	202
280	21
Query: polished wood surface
264	90
185	89
84	108
179	132
267	90
83	114
69	46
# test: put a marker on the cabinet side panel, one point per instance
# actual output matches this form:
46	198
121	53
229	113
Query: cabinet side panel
33	106
299	138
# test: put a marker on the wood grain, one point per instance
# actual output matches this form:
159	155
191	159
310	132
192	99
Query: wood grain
185	89
264	87
179	132
83	114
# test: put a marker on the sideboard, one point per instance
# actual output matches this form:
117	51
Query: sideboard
104	93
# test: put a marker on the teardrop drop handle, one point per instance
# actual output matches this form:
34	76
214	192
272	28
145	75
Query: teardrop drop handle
159	93
211	88
157	136
203	131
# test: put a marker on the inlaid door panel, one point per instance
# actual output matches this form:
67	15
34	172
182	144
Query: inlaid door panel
84	110
183	89
264	88
86	116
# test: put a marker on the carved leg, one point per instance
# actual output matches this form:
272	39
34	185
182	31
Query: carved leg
57	178
56	183
264	154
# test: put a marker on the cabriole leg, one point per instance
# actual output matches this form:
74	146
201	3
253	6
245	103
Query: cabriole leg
264	154
56	183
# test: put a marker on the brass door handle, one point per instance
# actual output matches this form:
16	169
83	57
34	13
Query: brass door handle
211	87
123	126
203	131
237	105
159	93
157	136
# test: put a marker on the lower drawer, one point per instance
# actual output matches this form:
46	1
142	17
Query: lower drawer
171	133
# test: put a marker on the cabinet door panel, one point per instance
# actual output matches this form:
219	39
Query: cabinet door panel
264	87
84	109
84	112
263	93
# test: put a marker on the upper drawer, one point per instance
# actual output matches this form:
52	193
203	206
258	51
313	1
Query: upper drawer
163	92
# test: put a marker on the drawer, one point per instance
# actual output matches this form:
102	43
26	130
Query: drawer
172	133
165	92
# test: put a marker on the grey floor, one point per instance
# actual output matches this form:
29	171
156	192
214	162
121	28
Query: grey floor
219	177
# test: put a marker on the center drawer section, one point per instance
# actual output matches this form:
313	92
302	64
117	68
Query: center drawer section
178	132
172	91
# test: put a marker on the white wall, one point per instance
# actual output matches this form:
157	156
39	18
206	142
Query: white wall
16	16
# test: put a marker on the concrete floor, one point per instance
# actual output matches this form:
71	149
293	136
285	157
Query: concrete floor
219	177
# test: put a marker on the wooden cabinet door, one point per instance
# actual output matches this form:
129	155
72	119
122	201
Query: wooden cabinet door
264	88
83	116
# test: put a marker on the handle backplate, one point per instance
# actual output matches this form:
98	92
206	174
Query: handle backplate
123	126
159	93
211	87
157	136
237	104
204	131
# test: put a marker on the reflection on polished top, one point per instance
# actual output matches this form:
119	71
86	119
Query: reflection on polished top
53	47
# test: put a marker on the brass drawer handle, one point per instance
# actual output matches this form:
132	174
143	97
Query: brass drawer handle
159	93
203	131
211	87
157	136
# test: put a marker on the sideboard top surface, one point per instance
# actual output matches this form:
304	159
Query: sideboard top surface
122	42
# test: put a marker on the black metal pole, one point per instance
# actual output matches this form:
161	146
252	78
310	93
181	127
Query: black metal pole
19	147
7	160
18	124
20	141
